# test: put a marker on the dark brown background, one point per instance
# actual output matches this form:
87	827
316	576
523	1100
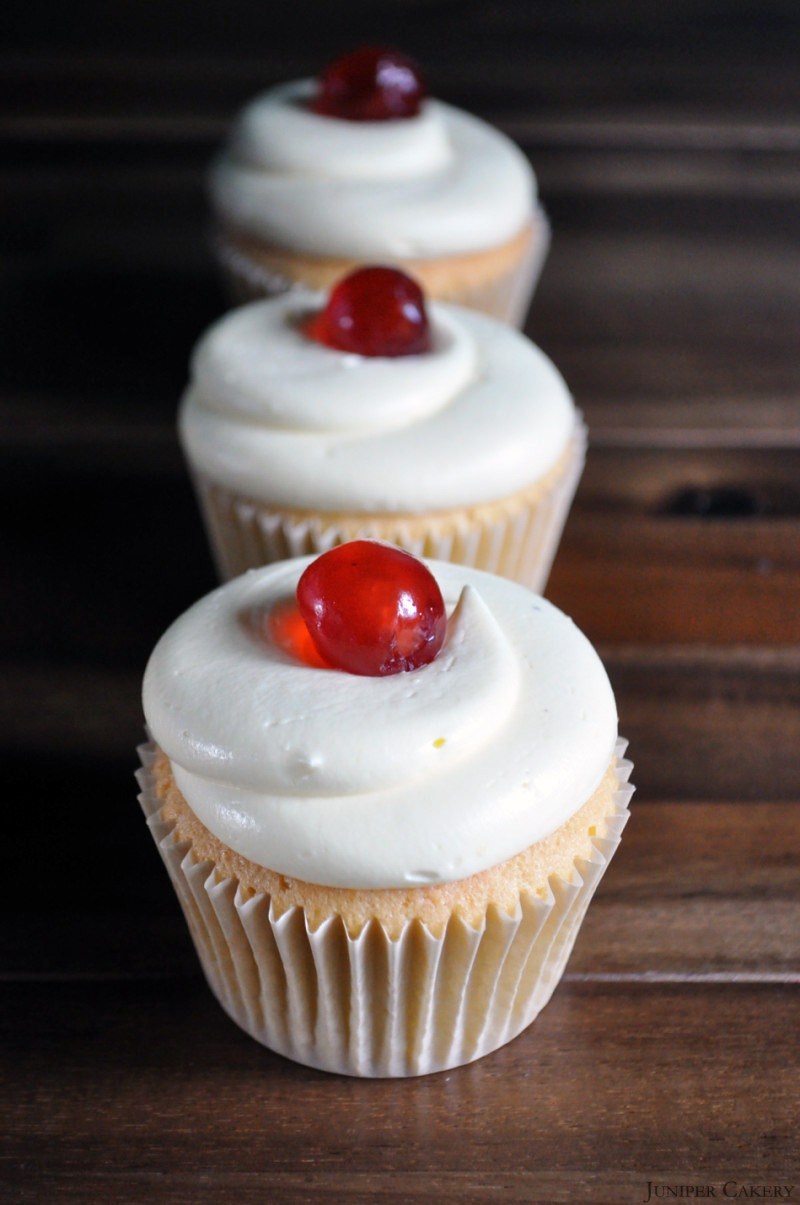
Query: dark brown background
666	141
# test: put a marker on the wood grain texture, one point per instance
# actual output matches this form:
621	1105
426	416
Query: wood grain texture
543	57
185	1105
665	143
696	891
661	581
631	568
704	723
638	318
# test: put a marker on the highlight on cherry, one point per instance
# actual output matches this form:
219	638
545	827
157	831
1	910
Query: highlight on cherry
374	311
371	83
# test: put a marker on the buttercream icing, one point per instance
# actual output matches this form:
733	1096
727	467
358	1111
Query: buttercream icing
274	416
420	777
440	183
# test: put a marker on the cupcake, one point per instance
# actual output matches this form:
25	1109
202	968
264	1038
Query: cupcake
385	792
310	421
359	166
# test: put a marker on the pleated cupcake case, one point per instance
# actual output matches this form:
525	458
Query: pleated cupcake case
371	1005
516	538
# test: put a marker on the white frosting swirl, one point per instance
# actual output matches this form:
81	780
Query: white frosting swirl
419	777
279	418
440	183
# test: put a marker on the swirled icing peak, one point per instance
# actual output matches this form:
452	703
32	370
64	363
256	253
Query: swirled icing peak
374	782
275	416
437	183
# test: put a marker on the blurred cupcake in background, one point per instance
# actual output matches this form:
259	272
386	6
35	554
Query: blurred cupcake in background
311	420
361	166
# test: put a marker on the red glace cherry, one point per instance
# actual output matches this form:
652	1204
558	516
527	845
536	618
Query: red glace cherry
372	83
372	609
373	312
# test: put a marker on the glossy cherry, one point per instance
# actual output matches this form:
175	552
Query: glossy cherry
372	83
374	312
372	609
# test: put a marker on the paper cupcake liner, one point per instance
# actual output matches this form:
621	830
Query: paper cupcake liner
245	279
506	296
372	1005
516	538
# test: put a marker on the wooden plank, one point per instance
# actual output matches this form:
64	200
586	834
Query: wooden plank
710	723
695	892
688	434
680	153
654	481
648	329
711	582
105	1084
704	723
716	525
689	423
698	890
666	150
624	578
642	317
739	66
638	478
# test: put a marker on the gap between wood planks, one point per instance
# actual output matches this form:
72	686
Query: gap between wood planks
610	977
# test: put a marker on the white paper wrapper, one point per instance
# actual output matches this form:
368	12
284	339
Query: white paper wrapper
371	1005
507	297
516	538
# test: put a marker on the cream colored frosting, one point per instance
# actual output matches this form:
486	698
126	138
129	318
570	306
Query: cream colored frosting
440	183
419	777
274	416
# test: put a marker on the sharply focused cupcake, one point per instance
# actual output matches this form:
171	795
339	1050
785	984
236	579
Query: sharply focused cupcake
385	793
310	421
359	166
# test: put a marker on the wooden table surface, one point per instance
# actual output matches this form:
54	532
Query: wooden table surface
666	144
